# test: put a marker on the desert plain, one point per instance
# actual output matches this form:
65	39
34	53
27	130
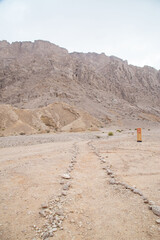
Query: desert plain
80	186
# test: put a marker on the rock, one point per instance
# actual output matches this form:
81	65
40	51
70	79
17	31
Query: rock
156	210
145	200
136	191
62	182
151	203
150	207
72	221
45	235
158	221
42	213
132	189
66	187
64	193
54	229
109	172
127	186
59	213
44	205
112	181
66	176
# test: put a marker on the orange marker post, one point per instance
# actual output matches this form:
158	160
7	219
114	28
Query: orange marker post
139	134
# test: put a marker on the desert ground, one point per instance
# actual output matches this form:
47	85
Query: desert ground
76	186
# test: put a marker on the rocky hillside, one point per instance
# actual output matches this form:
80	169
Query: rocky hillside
36	74
53	118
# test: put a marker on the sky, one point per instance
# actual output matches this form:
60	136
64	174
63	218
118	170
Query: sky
128	29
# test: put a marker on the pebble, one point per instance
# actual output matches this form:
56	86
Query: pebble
72	221
62	182
59	212
44	205
158	221
156	210
127	186
109	172
103	161
136	191
151	203
42	213
54	229
65	187
45	235
112	181
66	176
64	193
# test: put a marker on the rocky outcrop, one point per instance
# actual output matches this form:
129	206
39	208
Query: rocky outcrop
36	74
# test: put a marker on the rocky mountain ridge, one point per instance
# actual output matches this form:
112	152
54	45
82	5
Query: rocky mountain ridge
36	74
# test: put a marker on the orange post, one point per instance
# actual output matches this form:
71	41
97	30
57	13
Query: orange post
139	134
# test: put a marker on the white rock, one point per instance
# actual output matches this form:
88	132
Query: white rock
44	205
156	210
112	181
136	191
66	176
158	221
151	203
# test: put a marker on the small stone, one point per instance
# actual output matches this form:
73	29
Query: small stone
109	172
112	181
136	191
150	207
62	182
44	205
145	200
151	203
64	193
65	187
158	221
42	213
45	235
127	186
103	161
72	221
66	176
54	229
112	176
59	213
156	210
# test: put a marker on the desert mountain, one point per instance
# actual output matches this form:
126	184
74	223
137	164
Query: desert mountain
54	117
33	75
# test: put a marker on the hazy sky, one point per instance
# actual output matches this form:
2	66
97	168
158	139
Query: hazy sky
129	29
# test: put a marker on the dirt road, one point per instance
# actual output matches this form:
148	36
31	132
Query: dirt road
92	201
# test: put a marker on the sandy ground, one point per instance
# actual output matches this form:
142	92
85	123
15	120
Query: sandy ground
30	174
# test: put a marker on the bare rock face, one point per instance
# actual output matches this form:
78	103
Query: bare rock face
36	74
